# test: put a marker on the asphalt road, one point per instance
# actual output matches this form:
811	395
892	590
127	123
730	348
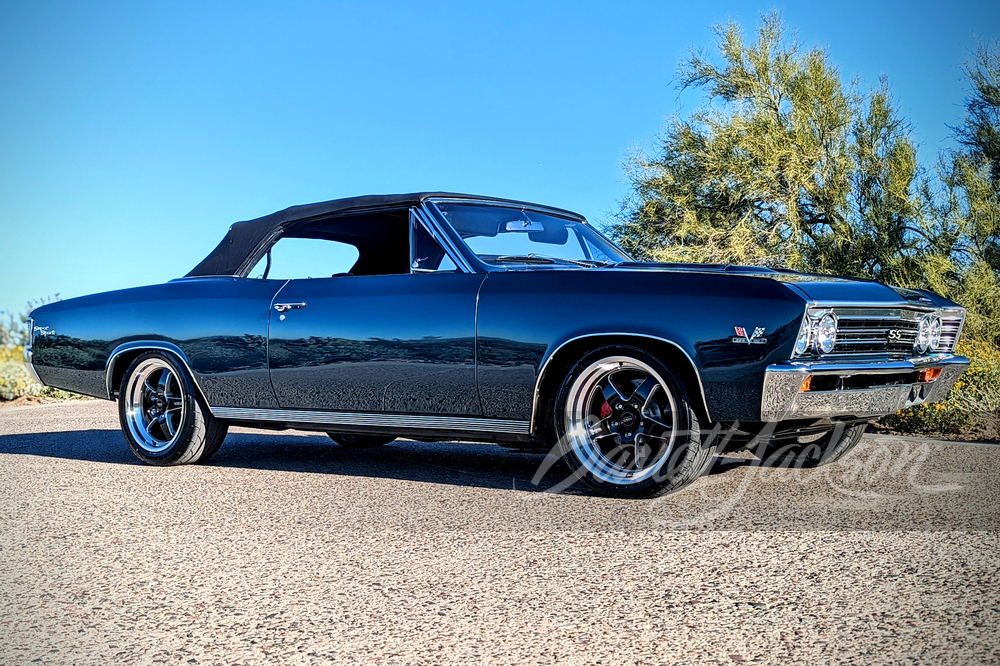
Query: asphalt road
288	549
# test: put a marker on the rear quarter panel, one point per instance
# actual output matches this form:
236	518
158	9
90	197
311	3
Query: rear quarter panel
219	325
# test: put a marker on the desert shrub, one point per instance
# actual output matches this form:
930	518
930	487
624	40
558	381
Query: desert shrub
14	379
16	382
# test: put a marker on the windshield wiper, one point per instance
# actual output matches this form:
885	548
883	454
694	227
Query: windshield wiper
533	258
595	263
525	258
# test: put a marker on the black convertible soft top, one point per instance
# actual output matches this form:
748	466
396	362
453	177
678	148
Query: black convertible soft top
246	237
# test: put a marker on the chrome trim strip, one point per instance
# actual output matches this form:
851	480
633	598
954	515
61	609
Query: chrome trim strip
461	423
431	224
545	365
862	368
152	345
782	399
30	367
869	305
28	352
951	313
540	208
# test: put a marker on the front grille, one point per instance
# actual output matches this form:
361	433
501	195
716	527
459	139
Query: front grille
860	334
892	331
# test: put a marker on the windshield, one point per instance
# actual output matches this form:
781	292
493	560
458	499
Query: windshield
508	235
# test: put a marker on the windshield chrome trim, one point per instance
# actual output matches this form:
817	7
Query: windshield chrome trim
421	217
430	221
538	208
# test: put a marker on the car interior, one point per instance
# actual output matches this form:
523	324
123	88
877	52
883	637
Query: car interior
362	244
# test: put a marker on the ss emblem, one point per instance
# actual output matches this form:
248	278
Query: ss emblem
895	334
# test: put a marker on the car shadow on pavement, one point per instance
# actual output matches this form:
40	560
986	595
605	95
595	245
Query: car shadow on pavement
458	464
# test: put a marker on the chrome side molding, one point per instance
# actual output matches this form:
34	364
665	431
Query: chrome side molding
372	419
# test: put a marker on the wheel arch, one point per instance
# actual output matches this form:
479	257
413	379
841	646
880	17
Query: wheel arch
123	355
555	366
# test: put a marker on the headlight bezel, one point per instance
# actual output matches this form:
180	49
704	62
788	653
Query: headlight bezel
803	343
808	344
825	333
928	334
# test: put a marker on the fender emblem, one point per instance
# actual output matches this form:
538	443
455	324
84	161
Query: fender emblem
744	339
44	331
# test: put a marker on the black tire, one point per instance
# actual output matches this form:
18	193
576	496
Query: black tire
162	417
353	441
598	452
829	448
213	446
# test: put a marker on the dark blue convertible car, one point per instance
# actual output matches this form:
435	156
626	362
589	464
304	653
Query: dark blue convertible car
441	316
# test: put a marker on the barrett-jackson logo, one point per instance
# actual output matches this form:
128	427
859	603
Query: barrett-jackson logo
745	339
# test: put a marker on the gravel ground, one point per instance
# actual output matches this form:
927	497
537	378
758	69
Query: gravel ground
287	549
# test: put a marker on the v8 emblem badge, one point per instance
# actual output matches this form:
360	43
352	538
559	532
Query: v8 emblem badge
745	339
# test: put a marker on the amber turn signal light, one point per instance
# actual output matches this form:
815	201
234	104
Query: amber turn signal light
930	374
806	385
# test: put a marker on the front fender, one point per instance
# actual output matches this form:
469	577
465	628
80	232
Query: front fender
524	317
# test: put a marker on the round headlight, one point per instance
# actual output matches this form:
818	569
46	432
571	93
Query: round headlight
802	343
826	333
935	334
923	334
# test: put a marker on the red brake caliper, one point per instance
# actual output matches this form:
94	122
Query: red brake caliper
605	410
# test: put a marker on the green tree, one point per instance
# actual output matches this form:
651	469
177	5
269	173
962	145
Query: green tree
961	257
784	165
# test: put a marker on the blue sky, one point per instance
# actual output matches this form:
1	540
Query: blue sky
133	134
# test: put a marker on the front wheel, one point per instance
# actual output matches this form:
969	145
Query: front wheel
626	425
162	419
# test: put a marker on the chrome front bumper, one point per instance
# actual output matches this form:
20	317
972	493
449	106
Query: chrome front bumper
783	398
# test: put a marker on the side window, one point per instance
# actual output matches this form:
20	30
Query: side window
428	255
299	258
356	244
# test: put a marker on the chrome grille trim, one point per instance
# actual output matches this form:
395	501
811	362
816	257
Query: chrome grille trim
952	322
867	330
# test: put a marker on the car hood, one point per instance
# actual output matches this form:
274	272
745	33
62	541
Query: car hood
814	286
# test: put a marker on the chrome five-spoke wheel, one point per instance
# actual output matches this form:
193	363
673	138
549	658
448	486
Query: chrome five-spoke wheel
162	419
155	406
621	420
626	426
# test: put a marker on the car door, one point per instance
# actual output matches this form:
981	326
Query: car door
403	342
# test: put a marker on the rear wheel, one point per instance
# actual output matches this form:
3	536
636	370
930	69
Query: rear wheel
626	425
352	441
824	450
163	420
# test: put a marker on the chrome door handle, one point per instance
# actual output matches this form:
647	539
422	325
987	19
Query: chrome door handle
285	307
